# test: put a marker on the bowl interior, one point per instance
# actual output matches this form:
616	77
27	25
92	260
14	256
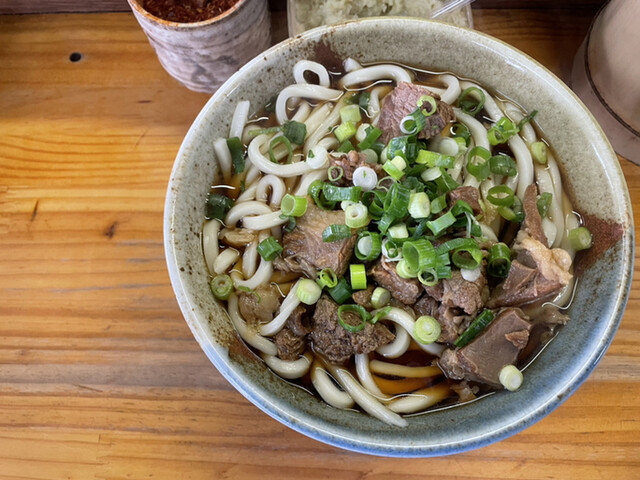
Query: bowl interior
590	168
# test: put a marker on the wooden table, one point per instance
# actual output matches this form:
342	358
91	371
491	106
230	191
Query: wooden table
99	374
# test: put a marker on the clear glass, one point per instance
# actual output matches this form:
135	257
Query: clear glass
306	14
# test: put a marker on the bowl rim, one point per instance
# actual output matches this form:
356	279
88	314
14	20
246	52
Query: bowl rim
314	429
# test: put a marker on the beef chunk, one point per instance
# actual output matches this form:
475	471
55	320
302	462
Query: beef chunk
457	292
403	289
259	306
427	305
296	321
304	250
330	339
532	223
537	274
290	346
469	194
452	321
363	297
498	345
465	392
350	162
404	100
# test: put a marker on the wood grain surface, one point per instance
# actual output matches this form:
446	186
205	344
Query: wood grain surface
100	378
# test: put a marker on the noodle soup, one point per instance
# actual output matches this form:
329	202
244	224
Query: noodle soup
394	240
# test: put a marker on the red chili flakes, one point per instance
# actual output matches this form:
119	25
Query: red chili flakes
187	11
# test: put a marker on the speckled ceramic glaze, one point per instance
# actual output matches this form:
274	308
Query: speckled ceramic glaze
596	184
202	55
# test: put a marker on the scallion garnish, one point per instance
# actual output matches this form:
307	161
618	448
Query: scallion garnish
350	113
274	142
543	203
468	103
368	246
380	297
539	152
396	202
440	224
419	205
478	324
426	330
502	131
460	130
327	278
468	258
502	164
338	194
510	377
404	270
341	292
358	309
434	159
308	291
429	104
345	131
356	215
237	154
217	206
335	173
372	134
296	132
501	195
358	276
478	163
499	261
221	286
269	249
336	232
580	238
293	206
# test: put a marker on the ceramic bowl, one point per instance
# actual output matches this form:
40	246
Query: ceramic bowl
594	181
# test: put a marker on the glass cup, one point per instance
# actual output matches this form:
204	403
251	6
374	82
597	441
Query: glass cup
606	74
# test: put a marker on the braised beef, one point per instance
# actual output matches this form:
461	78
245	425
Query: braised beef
427	305
330	339
469	194
304	249
350	162
459	293
498	345
290	346
402	101
532	223
465	392
259	306
363	297
452	322
406	290
297	321
537	274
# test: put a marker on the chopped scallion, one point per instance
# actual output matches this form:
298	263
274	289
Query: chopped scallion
511	378
356	215
293	206
221	286
580	238
269	249
308	291
237	154
476	326
336	232
380	297
357	309
345	131
358	276
539	152
426	330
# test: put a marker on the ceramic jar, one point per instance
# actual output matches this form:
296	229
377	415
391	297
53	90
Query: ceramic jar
202	55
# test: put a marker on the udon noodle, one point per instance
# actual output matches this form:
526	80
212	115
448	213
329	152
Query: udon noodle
437	202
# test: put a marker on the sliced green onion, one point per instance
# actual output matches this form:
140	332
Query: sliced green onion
478	163
396	203
385	222
426	330
356	216
398	231
316	191
502	131
217	206
543	203
501	195
341	292
430	102
327	278
221	286
371	157
445	182
308	291
379	314
539	152
365	178
419	254
345	131
391	249
293	206
360	310
317	158
526	119
274	142
338	194
428	277
502	164
368	246
454	244
336	232
438	204
413	123
470	105
478	324
372	134
513	213
269	249
451	147
395	167
467	258
291	223
345	147
431	174
434	159
264	131
363	100
237	154
380	297
580	238
350	113
460	130
461	207
335	173
358	276
499	261
352	99
440	224
294	131
419	205
511	378
404	270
